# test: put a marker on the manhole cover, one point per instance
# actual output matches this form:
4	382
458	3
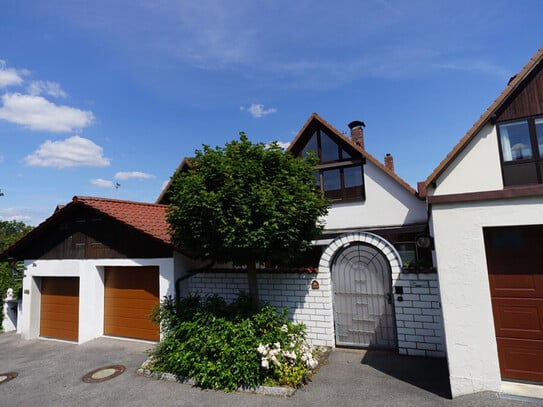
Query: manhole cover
6	377
104	373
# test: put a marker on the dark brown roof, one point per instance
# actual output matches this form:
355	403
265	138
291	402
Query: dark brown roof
368	156
513	84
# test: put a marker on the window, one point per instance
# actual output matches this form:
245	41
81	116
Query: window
521	146
339	174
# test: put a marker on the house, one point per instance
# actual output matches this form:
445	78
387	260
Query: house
106	258
486	203
360	297
96	267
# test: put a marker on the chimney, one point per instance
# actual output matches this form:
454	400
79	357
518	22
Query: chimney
357	132
389	162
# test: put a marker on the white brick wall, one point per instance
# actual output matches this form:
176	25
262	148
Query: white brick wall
419	322
418	315
313	307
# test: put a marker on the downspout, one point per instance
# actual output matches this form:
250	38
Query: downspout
190	274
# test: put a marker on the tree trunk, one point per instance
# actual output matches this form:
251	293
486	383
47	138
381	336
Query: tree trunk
253	286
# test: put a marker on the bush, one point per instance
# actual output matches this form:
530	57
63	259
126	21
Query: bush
225	346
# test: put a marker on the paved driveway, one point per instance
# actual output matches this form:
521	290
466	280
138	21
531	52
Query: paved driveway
49	374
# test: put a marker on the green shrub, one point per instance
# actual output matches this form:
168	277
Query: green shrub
225	346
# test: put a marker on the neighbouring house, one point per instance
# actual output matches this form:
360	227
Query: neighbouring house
98	266
486	202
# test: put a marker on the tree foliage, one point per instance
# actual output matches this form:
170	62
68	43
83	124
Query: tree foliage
10	232
246	203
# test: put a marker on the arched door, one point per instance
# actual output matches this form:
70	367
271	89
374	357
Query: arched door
363	311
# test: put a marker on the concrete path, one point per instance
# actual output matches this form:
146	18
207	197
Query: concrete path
50	373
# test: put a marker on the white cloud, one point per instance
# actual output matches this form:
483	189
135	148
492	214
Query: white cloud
257	110
36	88
9	76
102	183
284	144
73	152
122	175
10	214
37	113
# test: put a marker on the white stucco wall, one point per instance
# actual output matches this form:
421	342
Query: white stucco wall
464	286
387	204
91	290
477	168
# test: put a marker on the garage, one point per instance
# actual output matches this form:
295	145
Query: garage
516	286
59	313
130	295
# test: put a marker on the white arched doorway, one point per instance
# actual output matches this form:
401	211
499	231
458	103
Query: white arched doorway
362	265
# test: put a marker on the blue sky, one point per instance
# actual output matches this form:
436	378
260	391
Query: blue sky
99	93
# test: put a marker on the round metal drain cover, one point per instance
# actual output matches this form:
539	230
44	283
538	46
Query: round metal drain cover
6	377
104	373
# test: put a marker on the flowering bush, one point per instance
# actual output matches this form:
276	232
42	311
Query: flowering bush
224	346
289	364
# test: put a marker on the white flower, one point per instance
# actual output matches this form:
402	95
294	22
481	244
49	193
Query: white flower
262	349
312	363
274	360
277	345
265	363
284	328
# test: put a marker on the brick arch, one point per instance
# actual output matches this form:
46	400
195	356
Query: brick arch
371	239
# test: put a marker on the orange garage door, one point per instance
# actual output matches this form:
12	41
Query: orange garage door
131	293
59	314
516	286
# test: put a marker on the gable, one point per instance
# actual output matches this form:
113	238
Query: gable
526	100
78	231
520	98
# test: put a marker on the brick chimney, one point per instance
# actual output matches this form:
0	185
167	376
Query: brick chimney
357	132
389	162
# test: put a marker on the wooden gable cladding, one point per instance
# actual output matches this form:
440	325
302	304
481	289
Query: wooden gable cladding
527	100
85	233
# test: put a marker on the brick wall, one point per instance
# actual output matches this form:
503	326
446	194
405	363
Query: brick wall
313	307
419	320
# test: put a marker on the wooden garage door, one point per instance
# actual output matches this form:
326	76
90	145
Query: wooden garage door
131	293
59	313
515	267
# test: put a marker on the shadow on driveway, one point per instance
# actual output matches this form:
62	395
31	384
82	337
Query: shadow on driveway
429	374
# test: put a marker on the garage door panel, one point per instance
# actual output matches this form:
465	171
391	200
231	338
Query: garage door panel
130	295
521	359
59	310
524	319
516	285
129	312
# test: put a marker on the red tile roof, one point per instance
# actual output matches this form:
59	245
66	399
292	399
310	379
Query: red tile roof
145	217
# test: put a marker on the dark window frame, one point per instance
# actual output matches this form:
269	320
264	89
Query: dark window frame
345	160
526	167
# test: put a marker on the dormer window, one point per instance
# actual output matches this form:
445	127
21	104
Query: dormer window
521	147
340	173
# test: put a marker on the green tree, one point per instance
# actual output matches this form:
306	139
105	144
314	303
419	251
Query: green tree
246	203
10	232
